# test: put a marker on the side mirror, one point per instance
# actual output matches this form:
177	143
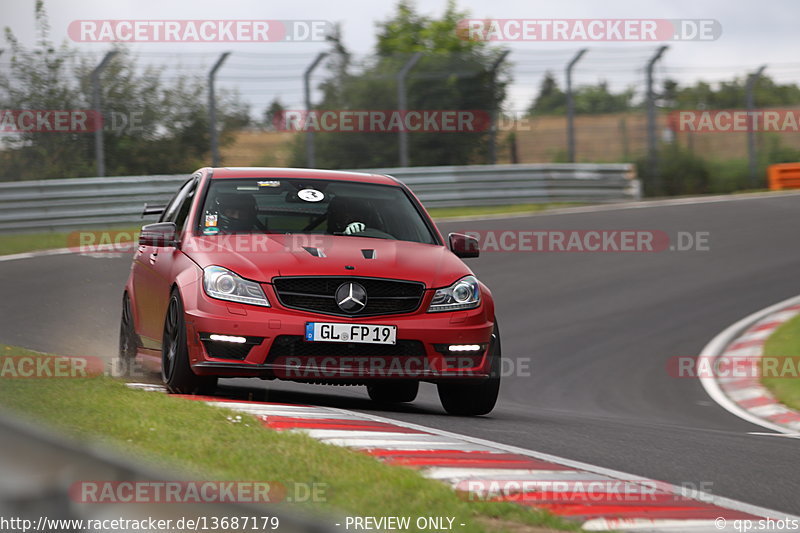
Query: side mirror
160	234
464	246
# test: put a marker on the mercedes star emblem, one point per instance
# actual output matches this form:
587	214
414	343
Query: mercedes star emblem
351	297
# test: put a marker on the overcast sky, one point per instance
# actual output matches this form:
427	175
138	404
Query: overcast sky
753	33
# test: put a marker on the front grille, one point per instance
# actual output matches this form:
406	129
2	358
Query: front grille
317	294
297	346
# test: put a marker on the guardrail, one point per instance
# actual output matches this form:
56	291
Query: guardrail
478	185
40	470
63	204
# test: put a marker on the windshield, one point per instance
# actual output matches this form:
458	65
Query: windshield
279	205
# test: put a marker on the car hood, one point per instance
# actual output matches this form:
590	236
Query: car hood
263	257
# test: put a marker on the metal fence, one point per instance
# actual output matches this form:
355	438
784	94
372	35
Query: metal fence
63	204
479	185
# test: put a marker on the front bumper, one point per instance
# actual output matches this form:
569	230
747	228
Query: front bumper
276	348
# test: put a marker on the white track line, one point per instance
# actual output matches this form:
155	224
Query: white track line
717	346
401	445
30	255
458	475
328	434
683	491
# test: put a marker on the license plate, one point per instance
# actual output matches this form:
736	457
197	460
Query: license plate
359	333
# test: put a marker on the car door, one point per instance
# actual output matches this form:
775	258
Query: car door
152	271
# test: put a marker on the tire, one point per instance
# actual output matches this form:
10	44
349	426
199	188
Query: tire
393	391
473	398
176	372
127	339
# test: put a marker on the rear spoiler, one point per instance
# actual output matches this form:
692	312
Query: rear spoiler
153	210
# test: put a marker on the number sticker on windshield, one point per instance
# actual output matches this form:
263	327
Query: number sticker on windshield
311	195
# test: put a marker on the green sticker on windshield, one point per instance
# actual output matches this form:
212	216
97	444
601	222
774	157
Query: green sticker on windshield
211	231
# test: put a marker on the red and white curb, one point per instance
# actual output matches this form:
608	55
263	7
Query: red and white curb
598	498
745	396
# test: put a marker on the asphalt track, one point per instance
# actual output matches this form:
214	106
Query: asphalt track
598	328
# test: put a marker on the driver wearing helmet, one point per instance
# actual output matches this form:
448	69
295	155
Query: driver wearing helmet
237	212
350	215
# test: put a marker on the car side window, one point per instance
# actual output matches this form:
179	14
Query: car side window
182	212
173	206
169	211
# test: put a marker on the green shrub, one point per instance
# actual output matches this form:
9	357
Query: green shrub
681	172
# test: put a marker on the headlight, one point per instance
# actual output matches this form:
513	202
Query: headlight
223	284
463	294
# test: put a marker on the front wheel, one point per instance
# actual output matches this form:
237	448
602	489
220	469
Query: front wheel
176	372
472	398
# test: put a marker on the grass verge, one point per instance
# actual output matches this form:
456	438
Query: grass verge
202	440
456	212
31	242
785	342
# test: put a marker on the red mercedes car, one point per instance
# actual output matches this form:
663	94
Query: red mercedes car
312	276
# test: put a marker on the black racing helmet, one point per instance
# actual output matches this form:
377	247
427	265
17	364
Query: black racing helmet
343	210
237	212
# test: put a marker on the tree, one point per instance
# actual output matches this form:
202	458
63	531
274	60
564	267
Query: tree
551	99
589	99
730	94
597	99
454	74
407	31
40	80
669	93
273	114
150	127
